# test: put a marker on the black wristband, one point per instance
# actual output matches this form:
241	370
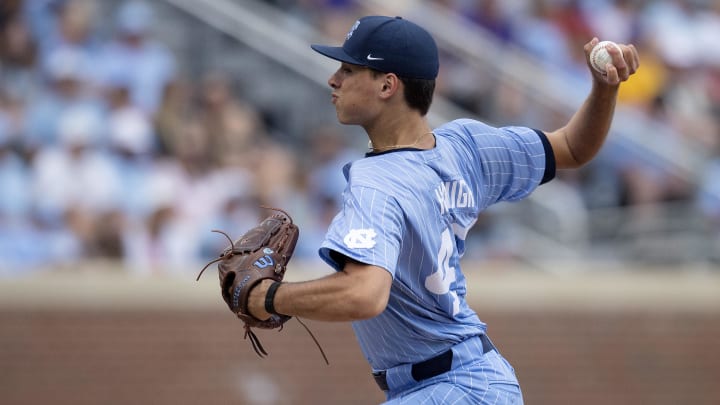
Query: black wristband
270	298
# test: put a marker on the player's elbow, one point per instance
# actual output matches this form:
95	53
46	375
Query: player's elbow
570	163
367	306
571	151
569	158
368	290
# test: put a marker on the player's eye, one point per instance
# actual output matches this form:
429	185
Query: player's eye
348	68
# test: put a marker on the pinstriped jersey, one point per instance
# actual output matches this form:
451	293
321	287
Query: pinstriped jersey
409	212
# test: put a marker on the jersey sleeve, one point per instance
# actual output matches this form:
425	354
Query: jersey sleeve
513	161
368	229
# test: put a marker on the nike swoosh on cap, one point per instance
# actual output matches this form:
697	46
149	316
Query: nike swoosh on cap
370	57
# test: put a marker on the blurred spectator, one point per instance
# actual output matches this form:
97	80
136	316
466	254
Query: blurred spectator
538	33
11	123
239	210
153	240
650	82
14	176
709	193
160	245
690	107
20	250
71	185
129	129
491	15
176	109
76	27
66	89
18	58
131	143
612	20
329	153
64	24
675	24
233	128
331	17
147	64
74	174
276	175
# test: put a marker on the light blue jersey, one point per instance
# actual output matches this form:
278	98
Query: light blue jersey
409	211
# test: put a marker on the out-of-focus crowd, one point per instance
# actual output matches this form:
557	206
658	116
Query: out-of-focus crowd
107	152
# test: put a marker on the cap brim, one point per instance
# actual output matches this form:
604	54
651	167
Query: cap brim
337	53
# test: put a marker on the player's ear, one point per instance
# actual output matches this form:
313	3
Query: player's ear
390	85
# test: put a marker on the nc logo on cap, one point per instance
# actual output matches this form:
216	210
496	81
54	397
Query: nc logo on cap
352	30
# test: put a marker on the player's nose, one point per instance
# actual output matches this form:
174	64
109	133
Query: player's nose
333	81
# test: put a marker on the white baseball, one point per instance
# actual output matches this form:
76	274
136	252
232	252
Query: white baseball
599	56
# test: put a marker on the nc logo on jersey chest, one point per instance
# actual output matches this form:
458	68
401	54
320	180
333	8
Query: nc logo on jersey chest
360	238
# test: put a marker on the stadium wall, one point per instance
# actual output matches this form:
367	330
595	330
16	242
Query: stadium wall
101	337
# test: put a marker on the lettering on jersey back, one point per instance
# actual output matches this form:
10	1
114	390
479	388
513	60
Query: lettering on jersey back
454	194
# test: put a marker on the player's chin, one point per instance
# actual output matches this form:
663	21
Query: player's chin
348	116
343	119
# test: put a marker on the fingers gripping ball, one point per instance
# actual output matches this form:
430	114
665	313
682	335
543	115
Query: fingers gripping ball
261	253
600	57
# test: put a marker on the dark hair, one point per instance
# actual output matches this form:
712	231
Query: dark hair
418	93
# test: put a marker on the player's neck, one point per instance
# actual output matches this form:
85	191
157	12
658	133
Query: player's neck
400	131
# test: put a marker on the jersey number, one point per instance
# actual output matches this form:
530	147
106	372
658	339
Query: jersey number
439	282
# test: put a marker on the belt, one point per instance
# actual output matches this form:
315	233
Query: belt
442	363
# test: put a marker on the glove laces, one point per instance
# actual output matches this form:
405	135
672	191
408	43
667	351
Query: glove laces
260	350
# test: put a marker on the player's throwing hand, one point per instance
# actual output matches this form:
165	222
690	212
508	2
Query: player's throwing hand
611	63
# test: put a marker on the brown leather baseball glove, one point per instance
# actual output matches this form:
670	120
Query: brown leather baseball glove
261	253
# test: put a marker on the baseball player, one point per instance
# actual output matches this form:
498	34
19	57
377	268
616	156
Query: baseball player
408	205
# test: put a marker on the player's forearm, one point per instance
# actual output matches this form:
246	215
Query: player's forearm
337	297
327	299
588	128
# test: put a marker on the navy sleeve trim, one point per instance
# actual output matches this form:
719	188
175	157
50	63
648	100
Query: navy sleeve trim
549	158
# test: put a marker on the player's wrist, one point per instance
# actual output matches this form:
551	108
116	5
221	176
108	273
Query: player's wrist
270	298
256	300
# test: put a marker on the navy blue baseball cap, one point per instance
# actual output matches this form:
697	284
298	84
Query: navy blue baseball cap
390	45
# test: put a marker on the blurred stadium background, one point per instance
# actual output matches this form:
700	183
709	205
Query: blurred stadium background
129	130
